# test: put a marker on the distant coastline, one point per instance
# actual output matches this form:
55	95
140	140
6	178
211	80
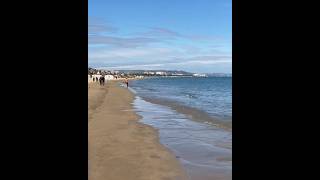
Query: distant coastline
154	73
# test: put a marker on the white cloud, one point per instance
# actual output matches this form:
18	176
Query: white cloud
128	53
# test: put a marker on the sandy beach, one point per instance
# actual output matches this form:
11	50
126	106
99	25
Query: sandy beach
121	148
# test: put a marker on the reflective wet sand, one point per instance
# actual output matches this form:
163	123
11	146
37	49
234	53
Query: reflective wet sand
204	150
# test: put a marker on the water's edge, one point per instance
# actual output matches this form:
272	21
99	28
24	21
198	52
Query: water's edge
203	149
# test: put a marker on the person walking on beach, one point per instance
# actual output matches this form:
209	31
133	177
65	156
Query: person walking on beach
97	79
93	79
102	79
127	82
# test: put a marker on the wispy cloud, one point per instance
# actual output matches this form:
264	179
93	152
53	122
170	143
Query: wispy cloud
152	49
98	25
98	29
127	53
161	33
170	34
193	61
120	41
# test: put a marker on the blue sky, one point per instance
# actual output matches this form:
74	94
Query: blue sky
190	35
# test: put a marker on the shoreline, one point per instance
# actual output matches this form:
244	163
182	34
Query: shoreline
204	151
194	114
120	147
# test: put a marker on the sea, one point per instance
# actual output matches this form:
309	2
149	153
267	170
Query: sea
193	116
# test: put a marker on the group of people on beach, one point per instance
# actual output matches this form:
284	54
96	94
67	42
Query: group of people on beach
101	80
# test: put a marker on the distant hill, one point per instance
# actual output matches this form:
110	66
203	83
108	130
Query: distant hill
167	72
219	75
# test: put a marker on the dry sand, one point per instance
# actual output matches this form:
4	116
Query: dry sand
120	148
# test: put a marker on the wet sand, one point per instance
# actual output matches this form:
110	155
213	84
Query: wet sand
120	148
205	151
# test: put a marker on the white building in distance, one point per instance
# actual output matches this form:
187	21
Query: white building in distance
160	73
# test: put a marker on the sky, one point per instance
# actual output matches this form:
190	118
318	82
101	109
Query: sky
189	35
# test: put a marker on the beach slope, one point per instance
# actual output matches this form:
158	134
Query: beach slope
120	148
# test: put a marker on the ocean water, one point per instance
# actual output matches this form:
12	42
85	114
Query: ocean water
182	109
212	95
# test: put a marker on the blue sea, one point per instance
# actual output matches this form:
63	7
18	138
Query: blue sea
193	116
212	95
